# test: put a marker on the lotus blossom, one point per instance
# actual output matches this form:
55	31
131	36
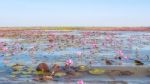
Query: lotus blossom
69	62
80	82
79	53
94	44
120	52
126	57
5	62
1	44
108	36
86	34
83	42
4	49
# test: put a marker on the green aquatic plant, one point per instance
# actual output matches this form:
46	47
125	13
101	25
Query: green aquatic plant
39	72
60	74
96	71
82	68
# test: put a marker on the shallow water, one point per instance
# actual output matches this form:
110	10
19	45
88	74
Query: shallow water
30	48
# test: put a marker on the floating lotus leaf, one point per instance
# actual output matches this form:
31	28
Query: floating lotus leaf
39	72
16	72
24	76
26	73
17	68
77	74
60	74
83	68
96	71
13	76
47	78
138	62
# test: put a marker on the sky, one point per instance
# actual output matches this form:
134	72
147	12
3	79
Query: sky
101	13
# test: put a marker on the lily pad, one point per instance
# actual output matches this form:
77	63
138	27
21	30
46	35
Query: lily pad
60	74
83	68
96	71
16	72
17	67
26	73
39	72
77	74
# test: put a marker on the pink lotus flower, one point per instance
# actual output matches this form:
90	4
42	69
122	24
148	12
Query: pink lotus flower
108	36
4	49
83	42
94	44
120	52
1	44
69	62
86	34
79	53
80	82
6	62
126	57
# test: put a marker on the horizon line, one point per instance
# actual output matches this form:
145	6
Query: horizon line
77	28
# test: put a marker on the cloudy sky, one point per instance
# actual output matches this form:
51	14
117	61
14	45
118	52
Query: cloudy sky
74	13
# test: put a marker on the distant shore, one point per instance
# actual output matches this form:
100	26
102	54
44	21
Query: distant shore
78	28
